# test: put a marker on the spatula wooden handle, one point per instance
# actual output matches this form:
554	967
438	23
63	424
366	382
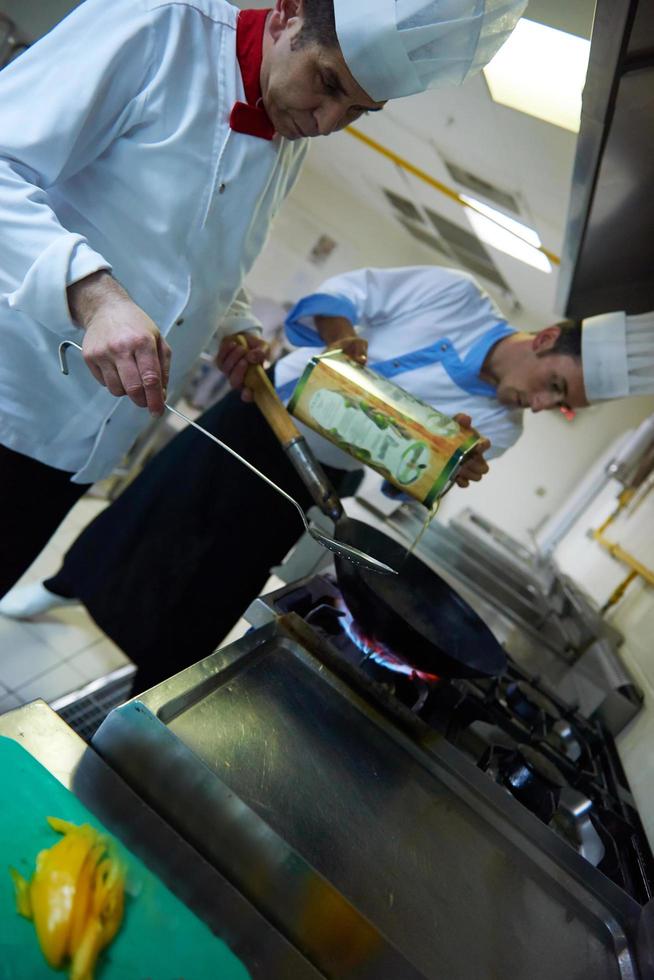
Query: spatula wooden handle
268	402
306	465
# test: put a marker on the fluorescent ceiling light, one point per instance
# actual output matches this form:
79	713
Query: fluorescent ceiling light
506	234
541	71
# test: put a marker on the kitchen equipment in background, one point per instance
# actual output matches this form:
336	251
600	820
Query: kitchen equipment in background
571	645
634	459
418	449
629	460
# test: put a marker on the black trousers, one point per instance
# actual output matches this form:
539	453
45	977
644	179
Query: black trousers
34	499
173	563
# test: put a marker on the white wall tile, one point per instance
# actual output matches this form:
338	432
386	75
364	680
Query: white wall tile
98	660
51	685
22	655
67	629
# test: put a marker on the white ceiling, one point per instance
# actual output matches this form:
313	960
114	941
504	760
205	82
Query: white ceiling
530	159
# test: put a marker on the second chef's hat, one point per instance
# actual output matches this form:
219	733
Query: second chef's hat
617	355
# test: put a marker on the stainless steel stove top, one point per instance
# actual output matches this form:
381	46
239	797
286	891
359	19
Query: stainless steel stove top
367	831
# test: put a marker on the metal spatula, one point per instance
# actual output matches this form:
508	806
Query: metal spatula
342	550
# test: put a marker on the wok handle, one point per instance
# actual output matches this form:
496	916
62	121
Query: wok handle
269	403
295	445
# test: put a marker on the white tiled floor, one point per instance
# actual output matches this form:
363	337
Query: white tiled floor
62	650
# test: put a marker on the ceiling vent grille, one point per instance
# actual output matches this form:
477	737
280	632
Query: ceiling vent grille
426	237
404	206
481	188
467	249
451	241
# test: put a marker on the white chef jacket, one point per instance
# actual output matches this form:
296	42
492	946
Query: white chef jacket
428	329
116	153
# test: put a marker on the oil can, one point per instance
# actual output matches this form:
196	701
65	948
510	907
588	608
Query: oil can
407	441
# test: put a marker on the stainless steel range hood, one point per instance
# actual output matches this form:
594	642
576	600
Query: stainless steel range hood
606	258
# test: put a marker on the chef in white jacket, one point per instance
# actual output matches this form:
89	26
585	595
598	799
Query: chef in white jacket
145	147
428	329
436	333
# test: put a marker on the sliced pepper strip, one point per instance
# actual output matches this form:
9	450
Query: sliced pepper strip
75	898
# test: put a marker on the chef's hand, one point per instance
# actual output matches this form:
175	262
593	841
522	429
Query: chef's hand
475	465
234	360
122	346
338	334
356	348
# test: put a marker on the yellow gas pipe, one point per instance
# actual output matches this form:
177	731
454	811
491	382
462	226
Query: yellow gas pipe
434	183
636	567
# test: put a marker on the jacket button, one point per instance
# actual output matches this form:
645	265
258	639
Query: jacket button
396	363
221	189
443	346
179	322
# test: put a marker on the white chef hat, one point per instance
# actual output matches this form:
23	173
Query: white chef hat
617	355
400	47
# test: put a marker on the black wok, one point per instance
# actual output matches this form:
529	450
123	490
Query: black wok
415	613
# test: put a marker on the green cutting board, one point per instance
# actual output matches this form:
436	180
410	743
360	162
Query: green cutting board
160	938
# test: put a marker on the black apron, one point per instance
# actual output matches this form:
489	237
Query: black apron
168	569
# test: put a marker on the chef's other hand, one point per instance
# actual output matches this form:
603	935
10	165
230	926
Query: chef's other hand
122	346
475	465
356	348
234	360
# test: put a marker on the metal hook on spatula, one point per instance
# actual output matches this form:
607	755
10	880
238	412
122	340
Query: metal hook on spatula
342	550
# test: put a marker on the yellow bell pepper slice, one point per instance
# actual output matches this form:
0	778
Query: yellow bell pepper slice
53	891
84	896
75	898
86	954
23	899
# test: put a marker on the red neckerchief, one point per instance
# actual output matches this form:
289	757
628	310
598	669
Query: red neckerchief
250	117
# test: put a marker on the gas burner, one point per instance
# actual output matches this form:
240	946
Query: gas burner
479	738
380	654
564	740
321	606
410	689
530	706
542	788
528	776
327	618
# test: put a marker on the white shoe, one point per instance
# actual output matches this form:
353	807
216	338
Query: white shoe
25	601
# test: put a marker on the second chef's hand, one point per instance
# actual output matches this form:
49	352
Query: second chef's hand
234	359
